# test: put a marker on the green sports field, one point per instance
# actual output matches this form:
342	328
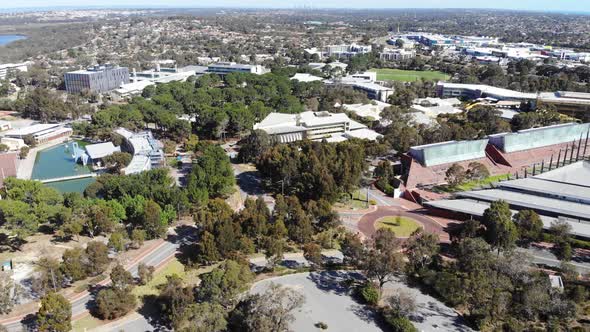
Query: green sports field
386	74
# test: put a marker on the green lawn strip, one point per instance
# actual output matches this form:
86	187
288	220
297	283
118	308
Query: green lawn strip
387	74
485	182
401	226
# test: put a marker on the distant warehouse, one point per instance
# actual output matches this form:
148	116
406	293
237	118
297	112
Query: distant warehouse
99	79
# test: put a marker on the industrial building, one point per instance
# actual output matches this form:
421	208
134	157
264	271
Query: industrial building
334	127
224	68
99	79
561	194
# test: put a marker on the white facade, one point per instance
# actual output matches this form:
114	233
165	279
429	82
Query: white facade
8	67
224	68
333	127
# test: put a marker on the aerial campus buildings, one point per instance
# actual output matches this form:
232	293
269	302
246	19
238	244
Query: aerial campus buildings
333	127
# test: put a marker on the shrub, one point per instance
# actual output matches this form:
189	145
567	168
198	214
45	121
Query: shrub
399	323
321	325
372	202
369	293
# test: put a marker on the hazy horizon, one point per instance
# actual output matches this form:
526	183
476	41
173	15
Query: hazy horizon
527	5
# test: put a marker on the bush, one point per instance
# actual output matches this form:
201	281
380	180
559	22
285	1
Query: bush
372	202
369	293
399	323
321	325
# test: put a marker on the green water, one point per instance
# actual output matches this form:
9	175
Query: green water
77	186
56	162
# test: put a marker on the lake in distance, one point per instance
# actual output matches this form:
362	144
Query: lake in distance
7	39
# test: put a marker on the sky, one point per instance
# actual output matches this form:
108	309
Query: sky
537	5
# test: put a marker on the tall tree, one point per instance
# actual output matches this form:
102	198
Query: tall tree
270	311
501	232
55	313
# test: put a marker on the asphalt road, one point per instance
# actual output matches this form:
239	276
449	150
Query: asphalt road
546	257
160	254
328	301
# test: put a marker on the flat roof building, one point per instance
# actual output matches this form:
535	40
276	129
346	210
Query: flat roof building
12	67
41	133
286	128
224	68
146	150
99	79
448	152
562	194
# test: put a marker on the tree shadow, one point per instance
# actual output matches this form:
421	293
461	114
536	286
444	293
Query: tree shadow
186	238
337	282
29	322
149	310
250	183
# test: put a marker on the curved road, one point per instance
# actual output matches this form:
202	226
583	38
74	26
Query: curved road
367	223
156	256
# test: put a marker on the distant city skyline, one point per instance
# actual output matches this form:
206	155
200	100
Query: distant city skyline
535	5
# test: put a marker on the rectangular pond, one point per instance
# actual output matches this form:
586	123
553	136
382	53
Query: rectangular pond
57	162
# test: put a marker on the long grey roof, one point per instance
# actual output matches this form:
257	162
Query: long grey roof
546	187
534	202
476	208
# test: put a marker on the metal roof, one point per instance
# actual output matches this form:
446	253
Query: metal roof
529	201
476	208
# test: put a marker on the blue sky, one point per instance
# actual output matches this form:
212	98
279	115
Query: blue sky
539	5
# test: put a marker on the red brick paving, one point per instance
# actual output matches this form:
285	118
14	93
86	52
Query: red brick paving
367	223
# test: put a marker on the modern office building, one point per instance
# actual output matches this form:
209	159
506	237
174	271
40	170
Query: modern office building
315	126
224	68
345	51
99	79
397	55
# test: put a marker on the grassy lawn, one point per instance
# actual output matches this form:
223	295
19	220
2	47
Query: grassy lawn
467	186
358	201
387	74
401	226
191	277
86	323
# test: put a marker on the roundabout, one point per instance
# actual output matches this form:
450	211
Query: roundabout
401	226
